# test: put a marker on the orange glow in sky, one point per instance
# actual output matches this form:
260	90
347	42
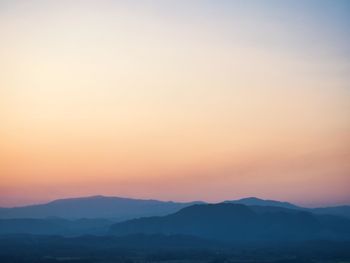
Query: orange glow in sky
175	100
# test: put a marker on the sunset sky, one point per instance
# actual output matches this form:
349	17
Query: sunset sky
175	100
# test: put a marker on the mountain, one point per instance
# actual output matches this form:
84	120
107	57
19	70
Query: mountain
261	202
239	223
116	208
335	210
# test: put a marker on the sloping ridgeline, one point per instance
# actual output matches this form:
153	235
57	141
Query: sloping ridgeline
239	223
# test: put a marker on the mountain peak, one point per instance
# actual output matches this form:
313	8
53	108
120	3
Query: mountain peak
262	202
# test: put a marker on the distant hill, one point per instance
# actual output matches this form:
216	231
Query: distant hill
116	208
119	208
261	202
254	201
236	222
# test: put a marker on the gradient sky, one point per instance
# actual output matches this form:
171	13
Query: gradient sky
175	100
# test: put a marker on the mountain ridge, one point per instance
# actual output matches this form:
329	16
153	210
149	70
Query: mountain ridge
123	208
264	202
95	207
237	222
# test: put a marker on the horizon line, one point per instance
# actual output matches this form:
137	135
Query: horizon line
172	201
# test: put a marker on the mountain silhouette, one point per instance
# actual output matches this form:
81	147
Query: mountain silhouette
117	208
239	223
261	202
254	201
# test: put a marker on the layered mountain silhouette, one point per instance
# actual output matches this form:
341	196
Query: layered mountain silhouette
119	208
116	208
248	219
239	223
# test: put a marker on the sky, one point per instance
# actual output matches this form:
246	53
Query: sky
175	100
